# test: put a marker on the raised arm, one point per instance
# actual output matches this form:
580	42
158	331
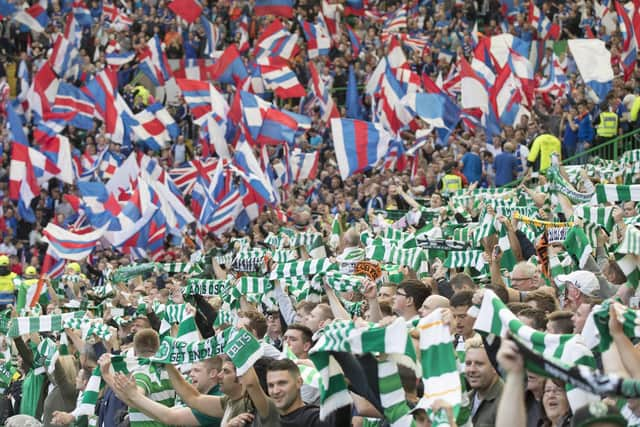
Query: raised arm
629	354
511	409
210	405
256	393
339	312
284	303
125	388
371	294
407	198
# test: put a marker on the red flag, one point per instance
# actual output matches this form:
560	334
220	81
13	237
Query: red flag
189	10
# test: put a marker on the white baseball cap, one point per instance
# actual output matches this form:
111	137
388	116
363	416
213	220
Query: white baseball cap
585	281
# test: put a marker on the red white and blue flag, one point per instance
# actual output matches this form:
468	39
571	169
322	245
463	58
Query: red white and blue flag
358	145
28	168
304	165
189	10
276	40
629	21
282	8
69	245
280	79
229	67
317	37
73	101
81	13
197	96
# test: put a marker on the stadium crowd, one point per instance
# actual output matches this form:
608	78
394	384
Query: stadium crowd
470	278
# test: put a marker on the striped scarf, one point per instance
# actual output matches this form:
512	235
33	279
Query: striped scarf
225	317
5	318
500	203
495	318
248	285
240	243
182	267
301	268
104	291
51	323
631	156
560	185
353	308
351	255
577	245
170	351
7	371
177	314
98	329
251	261
596	329
300	289
613	193
508	211
284	255
528	231
508	259
339	282
344	336
45	356
89	327
595	214
273	240
206	287
124	274
243	349
310	375
439	366
309	240
406	240
414	257
336	233
469	258
392	395
225	259
560	263
628	255
466	233
485	229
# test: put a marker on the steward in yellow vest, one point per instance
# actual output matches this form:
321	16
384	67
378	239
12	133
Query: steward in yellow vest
7	285
608	127
450	181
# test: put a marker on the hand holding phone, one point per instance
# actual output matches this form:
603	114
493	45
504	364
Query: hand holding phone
496	251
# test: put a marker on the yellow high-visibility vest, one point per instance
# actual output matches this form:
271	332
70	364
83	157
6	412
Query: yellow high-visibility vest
451	183
608	125
7	289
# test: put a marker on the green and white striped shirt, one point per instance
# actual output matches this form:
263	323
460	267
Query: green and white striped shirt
154	380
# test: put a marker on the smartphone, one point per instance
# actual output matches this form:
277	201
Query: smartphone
99	348
496	250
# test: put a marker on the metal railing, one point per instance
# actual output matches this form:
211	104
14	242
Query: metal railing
609	150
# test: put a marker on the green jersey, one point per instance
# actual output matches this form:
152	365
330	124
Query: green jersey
154	380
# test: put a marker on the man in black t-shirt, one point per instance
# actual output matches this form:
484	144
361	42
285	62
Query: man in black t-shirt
284	383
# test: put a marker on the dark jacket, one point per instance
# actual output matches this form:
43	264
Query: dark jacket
485	416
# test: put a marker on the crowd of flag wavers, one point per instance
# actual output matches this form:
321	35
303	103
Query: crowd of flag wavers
319	213
498	306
